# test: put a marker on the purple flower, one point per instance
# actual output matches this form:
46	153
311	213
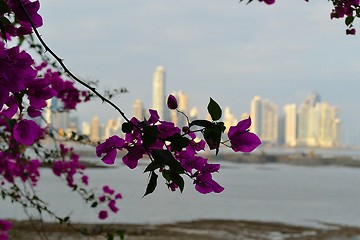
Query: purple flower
26	132
205	184
103	214
172	102
5	225
189	161
4	236
108	190
167	129
15	71
241	139
109	149
154	116
85	179
112	206
133	156
31	9
268	1
351	31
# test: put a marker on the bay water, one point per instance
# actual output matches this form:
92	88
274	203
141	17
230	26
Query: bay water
266	192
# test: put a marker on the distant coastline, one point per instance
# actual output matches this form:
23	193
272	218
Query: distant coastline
304	159
349	157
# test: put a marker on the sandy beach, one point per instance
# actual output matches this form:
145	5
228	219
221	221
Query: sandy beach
194	230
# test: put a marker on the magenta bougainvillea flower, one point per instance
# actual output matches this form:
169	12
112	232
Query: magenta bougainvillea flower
103	214
172	102
26	132
268	1
205	184
135	153
15	70
241	139
21	18
109	148
108	190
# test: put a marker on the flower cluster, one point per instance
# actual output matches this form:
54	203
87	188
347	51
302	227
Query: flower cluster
13	166
175	152
109	198
69	166
348	9
14	21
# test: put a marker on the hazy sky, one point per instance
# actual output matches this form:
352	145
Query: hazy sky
223	49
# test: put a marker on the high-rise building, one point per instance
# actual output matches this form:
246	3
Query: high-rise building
159	101
86	128
307	123
95	129
138	109
316	124
113	127
264	118
255	114
290	124
56	115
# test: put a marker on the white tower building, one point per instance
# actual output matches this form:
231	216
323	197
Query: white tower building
290	124
159	101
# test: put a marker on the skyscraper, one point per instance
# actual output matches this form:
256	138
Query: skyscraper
56	115
95	129
290	124
159	101
264	117
316	123
255	114
138	109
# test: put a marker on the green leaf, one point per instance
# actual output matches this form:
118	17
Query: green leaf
152	183
221	125
94	204
3	7
66	219
214	110
150	135
349	20
212	137
168	159
201	123
176	178
126	127
154	165
178	142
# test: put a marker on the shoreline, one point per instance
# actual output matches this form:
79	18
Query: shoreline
210	229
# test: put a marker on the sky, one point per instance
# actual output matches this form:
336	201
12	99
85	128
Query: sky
226	50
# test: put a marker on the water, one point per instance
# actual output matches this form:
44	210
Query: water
324	152
271	192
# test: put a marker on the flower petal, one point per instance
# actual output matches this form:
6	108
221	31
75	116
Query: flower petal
109	158
244	142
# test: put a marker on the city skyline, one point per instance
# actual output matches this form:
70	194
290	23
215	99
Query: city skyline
312	123
229	51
